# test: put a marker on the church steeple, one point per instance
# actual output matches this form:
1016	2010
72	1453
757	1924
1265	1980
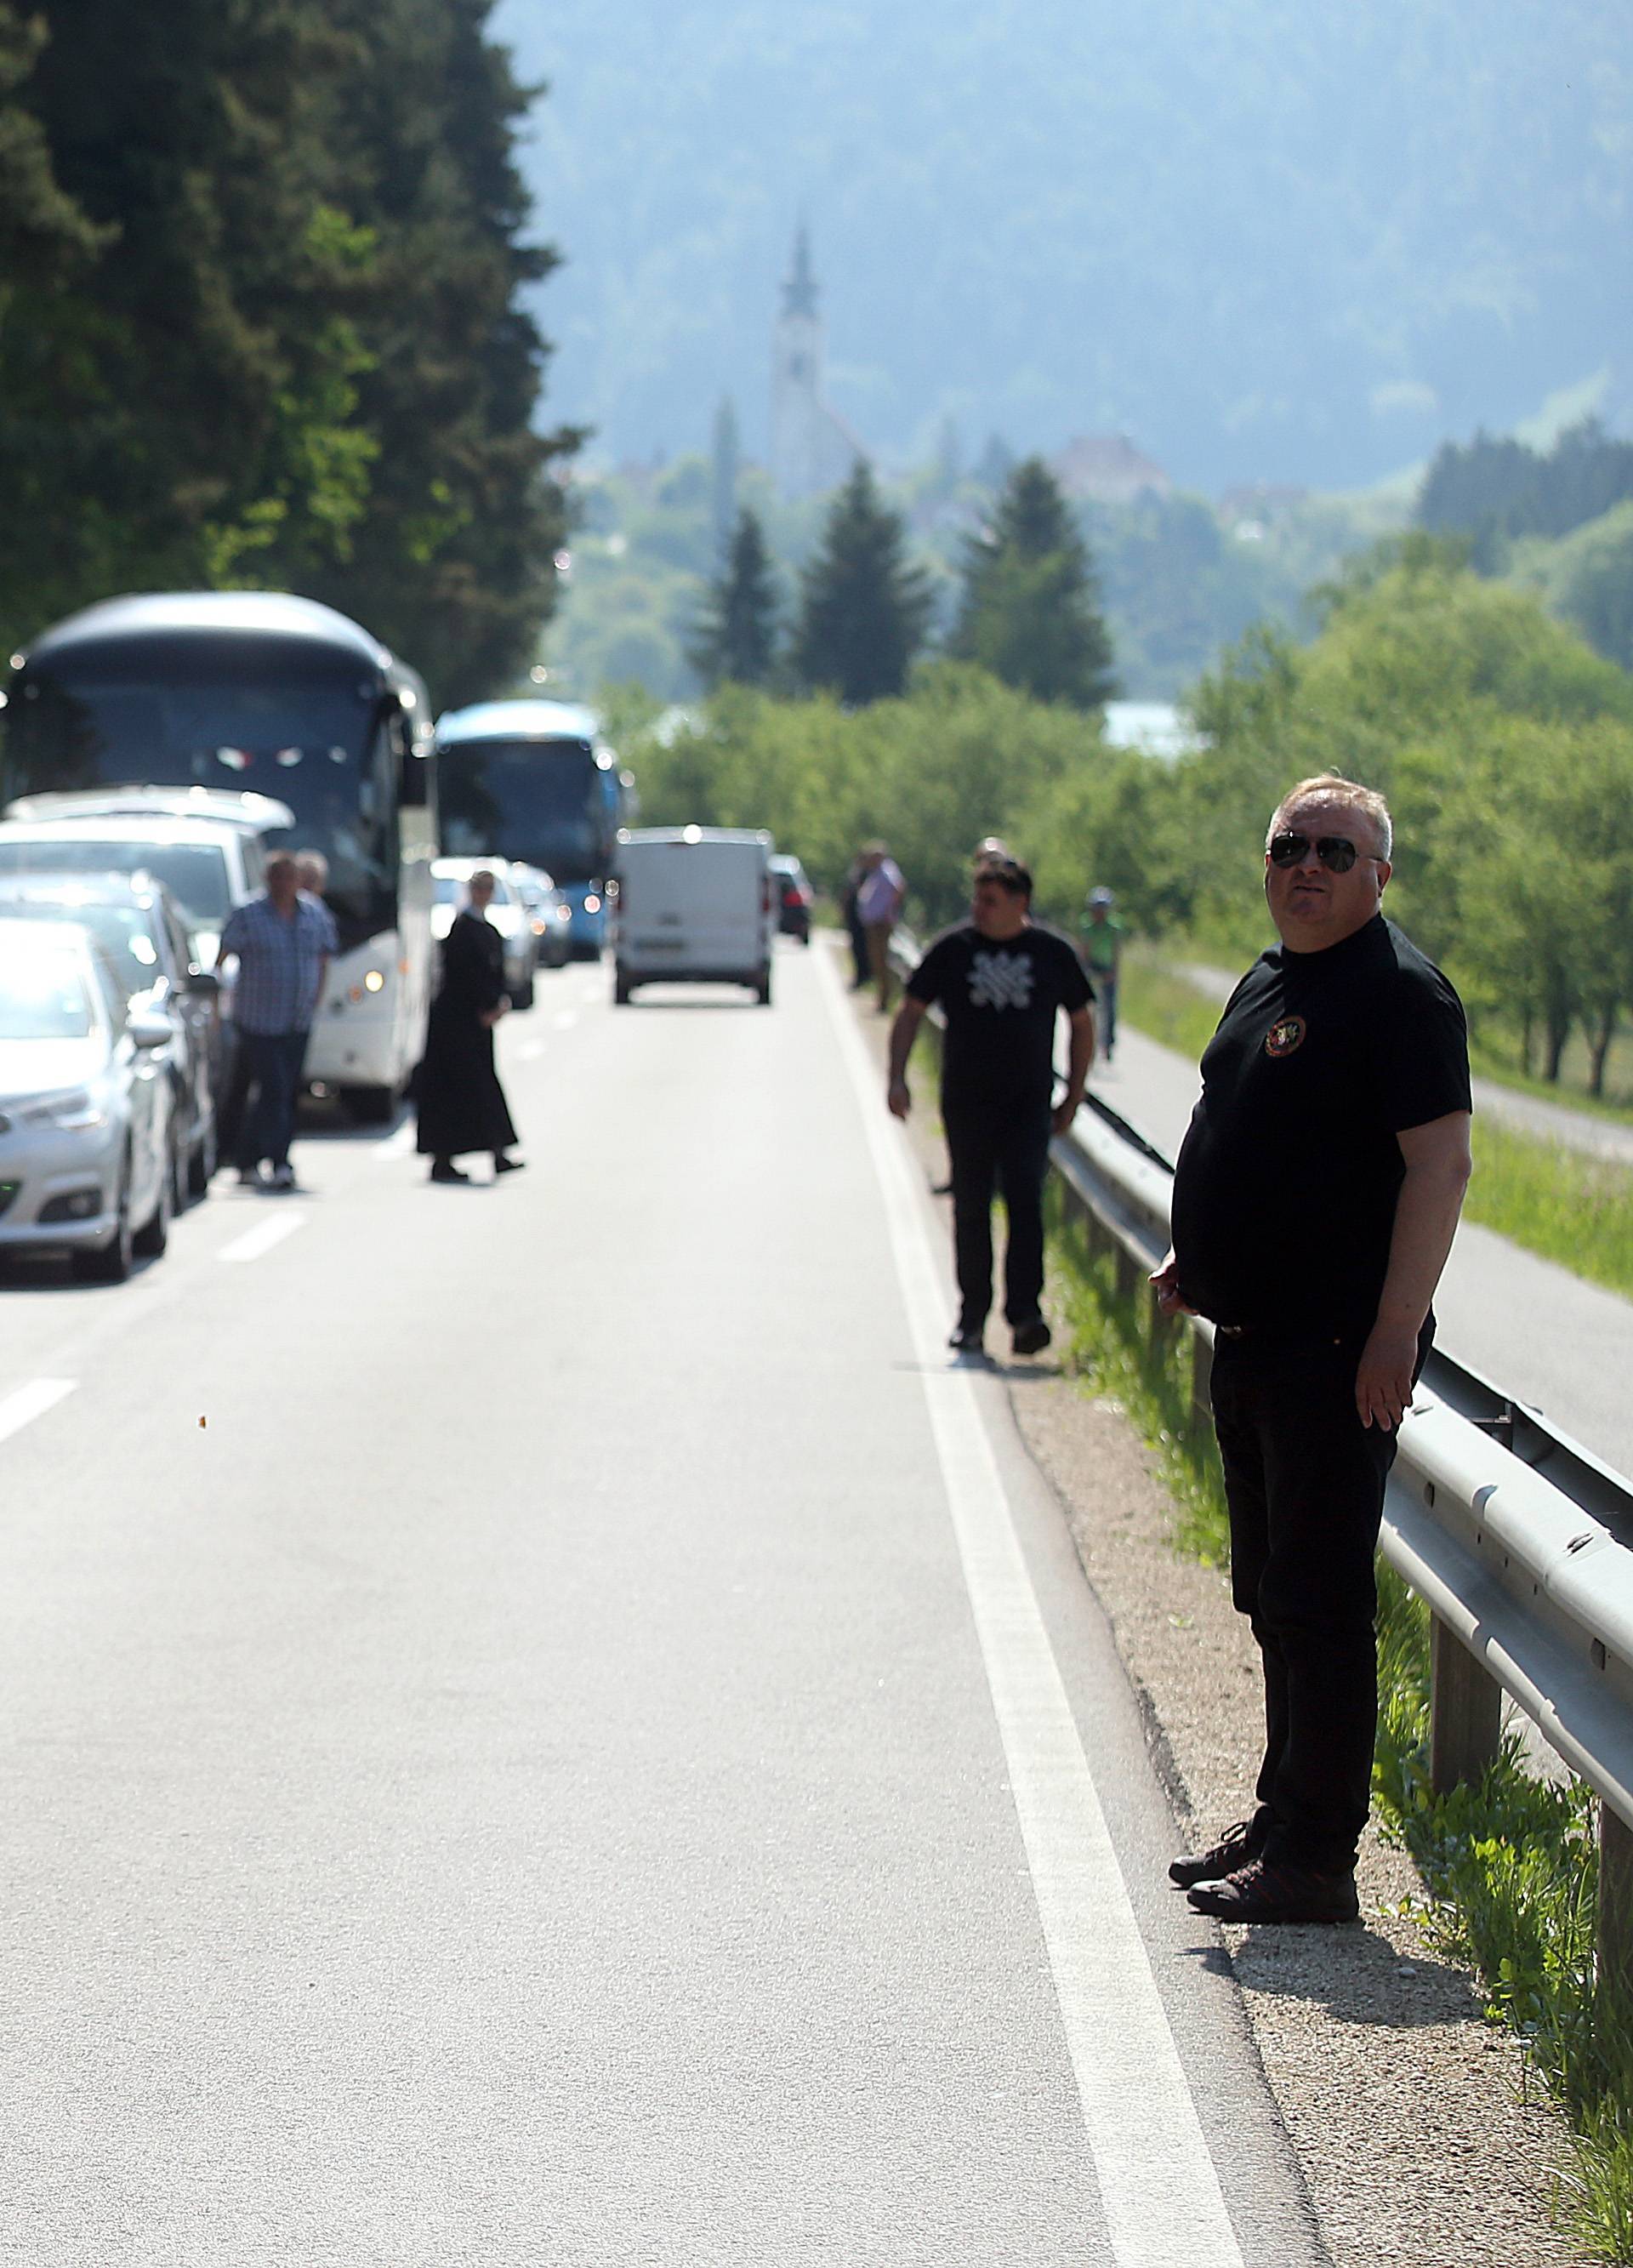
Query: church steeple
799	292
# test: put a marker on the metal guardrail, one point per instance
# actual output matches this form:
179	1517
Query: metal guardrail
1518	1538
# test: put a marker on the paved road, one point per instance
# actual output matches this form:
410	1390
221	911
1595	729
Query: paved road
581	1758
1560	1344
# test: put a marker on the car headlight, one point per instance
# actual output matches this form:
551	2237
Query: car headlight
77	1112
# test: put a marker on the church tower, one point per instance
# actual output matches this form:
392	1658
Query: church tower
797	417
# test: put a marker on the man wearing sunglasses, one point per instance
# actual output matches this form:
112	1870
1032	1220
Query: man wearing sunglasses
1314	1201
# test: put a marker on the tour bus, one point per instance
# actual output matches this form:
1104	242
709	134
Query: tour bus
534	781
251	691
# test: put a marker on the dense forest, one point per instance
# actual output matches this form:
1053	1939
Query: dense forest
262	321
1285	243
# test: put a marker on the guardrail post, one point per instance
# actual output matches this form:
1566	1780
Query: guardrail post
1465	1711
1615	1908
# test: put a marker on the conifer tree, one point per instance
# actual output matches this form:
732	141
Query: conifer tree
864	608
1030	610
736	640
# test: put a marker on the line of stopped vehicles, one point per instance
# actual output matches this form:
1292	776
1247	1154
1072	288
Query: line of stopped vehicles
134	732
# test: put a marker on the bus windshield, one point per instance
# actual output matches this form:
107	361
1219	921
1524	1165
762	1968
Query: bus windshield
541	801
315	745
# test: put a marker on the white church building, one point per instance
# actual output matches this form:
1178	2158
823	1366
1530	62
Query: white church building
812	449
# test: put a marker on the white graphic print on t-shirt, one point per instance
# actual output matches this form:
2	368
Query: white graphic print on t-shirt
1000	980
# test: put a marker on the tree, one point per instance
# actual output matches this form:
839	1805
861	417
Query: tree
1030	611
736	640
725	465
864	608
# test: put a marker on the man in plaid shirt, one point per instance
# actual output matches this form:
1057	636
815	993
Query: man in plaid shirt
283	942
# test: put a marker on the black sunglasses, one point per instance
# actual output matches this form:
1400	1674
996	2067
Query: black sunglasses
1335	851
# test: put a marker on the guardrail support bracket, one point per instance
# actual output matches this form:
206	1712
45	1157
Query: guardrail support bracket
1465	1711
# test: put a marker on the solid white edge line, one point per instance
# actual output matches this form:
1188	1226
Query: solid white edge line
1158	2181
31	1402
263	1237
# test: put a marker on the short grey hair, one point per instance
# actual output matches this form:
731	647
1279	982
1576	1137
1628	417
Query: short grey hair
1332	787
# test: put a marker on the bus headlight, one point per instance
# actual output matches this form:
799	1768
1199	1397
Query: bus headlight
374	981
591	904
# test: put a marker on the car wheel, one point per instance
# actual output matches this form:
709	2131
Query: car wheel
202	1163
110	1263
763	990
621	989
369	1106
154	1233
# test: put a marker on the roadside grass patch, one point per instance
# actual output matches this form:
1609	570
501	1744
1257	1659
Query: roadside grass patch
1509	1867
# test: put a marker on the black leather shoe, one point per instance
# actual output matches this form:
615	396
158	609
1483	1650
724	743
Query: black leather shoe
445	1170
1238	1846
966	1342
1266	1891
1031	1337
503	1165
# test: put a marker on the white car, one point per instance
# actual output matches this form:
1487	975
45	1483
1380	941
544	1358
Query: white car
85	1103
506	913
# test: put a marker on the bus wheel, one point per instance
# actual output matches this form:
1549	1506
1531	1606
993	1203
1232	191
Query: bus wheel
367	1105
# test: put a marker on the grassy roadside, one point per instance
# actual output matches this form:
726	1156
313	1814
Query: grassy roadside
1510	1867
1557	1203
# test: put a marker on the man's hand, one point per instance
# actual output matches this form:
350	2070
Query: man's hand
898	1095
1383	1384
1164	1281
1064	1112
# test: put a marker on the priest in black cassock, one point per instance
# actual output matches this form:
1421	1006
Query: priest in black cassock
462	1103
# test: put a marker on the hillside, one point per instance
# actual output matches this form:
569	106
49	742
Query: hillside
1289	243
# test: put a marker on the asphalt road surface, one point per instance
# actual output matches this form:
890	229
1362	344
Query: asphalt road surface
1546	1336
549	1723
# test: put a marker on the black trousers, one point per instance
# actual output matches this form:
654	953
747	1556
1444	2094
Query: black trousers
998	1148
272	1061
1304	1483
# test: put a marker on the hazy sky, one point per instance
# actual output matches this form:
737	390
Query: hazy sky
1267	240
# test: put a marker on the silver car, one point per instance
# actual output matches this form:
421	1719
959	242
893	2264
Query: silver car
450	880
85	1106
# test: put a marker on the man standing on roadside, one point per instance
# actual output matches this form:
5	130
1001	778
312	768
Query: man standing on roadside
283	942
1314	1201
879	895
1102	951
1000	981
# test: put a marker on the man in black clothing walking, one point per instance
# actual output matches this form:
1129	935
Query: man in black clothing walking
1314	1201
1001	982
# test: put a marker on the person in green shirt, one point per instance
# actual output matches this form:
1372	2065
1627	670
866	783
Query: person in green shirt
1102	950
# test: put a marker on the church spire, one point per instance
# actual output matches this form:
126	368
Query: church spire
799	292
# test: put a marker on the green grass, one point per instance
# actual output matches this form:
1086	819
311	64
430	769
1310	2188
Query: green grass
1556	1202
1509	1867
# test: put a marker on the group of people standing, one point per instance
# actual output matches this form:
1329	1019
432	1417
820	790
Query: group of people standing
283	942
1315	1198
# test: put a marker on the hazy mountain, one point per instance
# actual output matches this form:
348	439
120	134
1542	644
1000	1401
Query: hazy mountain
1271	240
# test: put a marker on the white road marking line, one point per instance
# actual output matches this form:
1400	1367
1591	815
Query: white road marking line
31	1402
262	1239
398	1142
1158	2181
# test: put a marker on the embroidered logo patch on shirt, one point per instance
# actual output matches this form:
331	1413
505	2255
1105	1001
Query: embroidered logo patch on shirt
1286	1037
1000	980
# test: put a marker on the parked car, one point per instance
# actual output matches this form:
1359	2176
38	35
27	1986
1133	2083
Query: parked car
505	912
795	896
549	915
85	1150
136	924
694	906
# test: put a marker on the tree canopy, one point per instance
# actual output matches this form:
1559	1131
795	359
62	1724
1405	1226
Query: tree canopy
260	320
864	608
1030	608
736	640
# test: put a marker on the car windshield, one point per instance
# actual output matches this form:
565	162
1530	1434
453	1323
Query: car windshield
195	873
44	996
124	932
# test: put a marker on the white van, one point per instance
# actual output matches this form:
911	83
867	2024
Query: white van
696	906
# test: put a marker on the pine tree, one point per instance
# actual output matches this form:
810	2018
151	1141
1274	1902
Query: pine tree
736	640
864	608
1030	610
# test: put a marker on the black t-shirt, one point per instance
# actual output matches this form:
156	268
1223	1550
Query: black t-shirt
1284	1192
1000	997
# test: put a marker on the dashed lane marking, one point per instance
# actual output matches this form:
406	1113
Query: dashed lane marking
31	1401
1158	2181
260	1241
